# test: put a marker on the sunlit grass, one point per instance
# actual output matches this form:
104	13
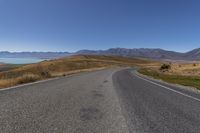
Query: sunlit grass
193	81
63	67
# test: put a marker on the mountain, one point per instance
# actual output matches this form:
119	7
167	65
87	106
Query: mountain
194	54
158	54
42	55
146	53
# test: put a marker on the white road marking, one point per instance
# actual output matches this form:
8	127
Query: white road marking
186	95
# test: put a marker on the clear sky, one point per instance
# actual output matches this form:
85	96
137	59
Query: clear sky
71	25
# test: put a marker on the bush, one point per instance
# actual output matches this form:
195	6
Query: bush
165	67
26	78
45	74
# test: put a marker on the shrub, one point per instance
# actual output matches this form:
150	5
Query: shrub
45	74
165	67
27	78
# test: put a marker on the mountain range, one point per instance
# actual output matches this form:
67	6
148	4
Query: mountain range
42	55
146	53
135	52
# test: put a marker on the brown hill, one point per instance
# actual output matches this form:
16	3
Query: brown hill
65	66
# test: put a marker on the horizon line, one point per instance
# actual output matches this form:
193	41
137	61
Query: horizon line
92	50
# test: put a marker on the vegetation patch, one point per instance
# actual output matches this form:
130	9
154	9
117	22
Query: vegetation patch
193	81
165	67
27	78
64	66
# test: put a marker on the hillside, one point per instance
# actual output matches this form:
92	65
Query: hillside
65	66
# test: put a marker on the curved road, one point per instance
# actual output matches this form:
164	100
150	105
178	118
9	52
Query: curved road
105	101
153	107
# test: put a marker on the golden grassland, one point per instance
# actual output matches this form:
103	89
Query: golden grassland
192	69
186	80
184	73
65	66
187	69
187	74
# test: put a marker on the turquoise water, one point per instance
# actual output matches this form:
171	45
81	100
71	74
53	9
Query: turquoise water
20	60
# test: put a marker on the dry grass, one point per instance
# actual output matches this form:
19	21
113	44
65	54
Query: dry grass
184	73
186	69
185	80
26	78
65	66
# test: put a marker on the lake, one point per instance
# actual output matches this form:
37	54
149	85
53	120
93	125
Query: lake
20	60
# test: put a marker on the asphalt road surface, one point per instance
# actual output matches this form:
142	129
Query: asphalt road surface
152	107
105	101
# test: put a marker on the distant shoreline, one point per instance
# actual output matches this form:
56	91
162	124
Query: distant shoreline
23	60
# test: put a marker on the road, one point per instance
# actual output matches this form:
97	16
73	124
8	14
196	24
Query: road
153	107
105	101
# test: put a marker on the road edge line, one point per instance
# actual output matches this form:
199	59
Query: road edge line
186	95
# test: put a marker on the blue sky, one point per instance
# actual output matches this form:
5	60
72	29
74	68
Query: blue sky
71	25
